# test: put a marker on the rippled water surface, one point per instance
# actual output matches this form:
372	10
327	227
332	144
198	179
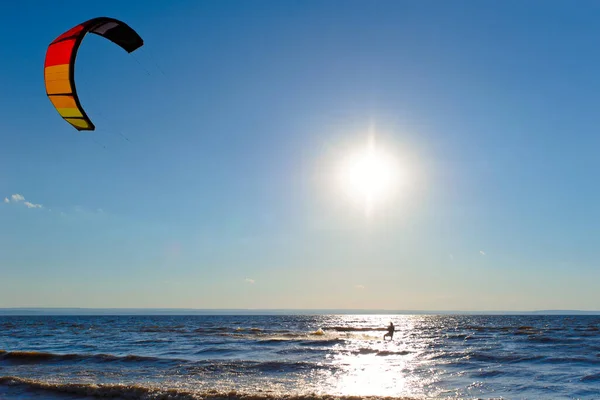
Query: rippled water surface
145	357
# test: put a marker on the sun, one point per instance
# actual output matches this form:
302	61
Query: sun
370	176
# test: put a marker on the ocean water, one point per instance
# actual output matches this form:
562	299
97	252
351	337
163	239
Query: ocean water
193	357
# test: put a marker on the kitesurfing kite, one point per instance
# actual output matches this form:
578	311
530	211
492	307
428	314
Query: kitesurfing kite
59	67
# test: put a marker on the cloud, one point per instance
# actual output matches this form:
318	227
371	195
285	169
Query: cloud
482	252
360	287
31	205
17	197
451	256
87	212
250	281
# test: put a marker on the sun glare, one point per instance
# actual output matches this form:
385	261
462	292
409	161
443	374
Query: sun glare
370	176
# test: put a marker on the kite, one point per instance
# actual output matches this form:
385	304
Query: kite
59	66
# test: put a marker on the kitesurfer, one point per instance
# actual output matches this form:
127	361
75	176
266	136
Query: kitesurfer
390	331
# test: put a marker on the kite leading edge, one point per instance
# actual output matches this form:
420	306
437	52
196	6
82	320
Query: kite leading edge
59	65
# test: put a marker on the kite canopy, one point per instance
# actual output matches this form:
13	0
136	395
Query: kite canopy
59	67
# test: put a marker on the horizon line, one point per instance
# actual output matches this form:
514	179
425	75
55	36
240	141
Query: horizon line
138	310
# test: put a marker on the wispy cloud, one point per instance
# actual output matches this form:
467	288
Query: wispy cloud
85	211
17	198
451	256
250	281
77	211
482	252
360	287
31	205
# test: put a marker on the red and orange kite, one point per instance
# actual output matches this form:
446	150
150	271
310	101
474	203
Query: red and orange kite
59	66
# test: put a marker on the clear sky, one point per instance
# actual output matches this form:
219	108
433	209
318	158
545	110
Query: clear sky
236	114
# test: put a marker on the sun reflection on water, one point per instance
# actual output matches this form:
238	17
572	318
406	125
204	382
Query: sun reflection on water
366	365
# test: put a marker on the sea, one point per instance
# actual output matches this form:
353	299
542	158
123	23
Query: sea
299	357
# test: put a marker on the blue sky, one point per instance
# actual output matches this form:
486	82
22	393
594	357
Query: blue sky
236	111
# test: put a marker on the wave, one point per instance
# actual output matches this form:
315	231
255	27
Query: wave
572	360
488	373
381	353
393	353
37	357
148	392
502	357
214	350
150	341
468	332
352	329
259	366
213	366
591	378
240	332
213	329
460	357
300	340
119	391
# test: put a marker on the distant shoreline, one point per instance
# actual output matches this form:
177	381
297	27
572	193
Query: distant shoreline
28	311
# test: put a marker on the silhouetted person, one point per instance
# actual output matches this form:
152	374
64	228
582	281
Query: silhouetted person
390	331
